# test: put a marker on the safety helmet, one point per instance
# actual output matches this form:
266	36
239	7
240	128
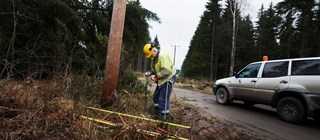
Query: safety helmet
147	49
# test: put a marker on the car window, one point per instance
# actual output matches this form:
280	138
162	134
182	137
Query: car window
306	67
275	69
251	71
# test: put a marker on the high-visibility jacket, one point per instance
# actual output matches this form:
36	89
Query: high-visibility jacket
162	67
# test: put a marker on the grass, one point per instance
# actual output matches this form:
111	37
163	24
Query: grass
203	86
51	109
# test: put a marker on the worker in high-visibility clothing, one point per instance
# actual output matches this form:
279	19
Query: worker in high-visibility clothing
163	73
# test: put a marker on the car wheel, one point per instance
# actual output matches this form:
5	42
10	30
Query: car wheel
291	110
222	96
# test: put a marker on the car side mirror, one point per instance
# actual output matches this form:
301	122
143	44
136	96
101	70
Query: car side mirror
235	74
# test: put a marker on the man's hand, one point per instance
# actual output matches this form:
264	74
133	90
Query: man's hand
154	77
147	74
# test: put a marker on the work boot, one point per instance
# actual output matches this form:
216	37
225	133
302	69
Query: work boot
169	119
166	117
156	113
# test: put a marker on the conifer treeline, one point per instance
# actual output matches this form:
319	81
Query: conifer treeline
44	38
289	29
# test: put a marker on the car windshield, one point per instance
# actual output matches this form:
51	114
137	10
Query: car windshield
250	71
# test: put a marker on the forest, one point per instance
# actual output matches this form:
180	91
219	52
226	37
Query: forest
48	38
288	29
44	39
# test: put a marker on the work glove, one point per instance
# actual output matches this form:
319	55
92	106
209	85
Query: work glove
154	78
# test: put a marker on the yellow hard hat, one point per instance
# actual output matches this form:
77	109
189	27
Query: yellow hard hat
147	49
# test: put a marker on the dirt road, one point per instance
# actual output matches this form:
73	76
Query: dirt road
259	118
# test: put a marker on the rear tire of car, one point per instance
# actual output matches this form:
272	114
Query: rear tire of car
291	110
222	96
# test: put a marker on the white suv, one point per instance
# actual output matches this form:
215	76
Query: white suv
290	85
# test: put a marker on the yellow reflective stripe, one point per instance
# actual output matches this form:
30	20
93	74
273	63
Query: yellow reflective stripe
163	72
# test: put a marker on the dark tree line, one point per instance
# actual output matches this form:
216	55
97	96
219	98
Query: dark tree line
289	29
45	38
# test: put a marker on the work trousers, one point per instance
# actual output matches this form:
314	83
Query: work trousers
161	100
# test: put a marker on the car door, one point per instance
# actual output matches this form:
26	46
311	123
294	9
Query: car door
244	84
305	75
274	77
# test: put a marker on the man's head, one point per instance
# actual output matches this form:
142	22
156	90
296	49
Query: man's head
150	50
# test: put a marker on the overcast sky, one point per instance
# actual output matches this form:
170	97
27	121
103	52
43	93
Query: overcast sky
180	18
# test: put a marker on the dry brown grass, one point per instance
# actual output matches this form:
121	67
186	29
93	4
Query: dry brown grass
32	109
203	86
51	109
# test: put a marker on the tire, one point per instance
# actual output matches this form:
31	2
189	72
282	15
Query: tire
222	96
291	110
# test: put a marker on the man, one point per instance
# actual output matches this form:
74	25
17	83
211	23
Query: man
163	73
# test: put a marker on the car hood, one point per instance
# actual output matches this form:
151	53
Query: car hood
224	80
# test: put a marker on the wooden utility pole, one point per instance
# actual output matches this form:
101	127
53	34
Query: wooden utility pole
174	55
111	71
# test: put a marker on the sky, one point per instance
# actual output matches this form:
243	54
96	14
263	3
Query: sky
180	18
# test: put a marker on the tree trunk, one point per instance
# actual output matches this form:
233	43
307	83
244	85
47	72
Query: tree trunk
216	66
212	48
10	52
233	49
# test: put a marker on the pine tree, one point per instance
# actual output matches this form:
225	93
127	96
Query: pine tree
316	42
246	50
296	30
156	42
198	59
266	32
136	35
305	29
49	37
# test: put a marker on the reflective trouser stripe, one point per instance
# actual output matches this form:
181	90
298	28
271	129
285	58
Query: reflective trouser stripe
156	104
165	111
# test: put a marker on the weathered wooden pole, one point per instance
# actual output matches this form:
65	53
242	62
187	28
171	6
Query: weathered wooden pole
111	71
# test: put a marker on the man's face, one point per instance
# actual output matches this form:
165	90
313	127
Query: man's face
154	53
